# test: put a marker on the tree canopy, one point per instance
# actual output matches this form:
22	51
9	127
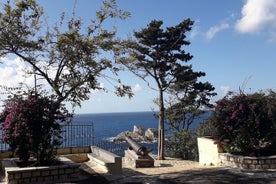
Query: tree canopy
68	55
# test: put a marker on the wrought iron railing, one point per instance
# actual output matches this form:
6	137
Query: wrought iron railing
74	135
81	135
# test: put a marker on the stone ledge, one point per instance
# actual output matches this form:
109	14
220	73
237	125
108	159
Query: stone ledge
106	160
14	175
246	162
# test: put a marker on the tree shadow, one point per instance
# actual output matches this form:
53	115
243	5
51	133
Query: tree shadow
206	176
217	176
164	165
88	175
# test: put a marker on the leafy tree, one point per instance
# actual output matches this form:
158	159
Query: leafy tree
67	55
158	57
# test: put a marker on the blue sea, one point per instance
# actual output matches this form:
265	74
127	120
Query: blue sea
109	125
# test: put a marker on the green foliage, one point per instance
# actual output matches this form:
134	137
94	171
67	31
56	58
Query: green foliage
183	141
206	129
68	56
159	53
182	144
30	125
246	123
188	102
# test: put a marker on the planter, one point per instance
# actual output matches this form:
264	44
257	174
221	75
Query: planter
67	171
208	151
246	162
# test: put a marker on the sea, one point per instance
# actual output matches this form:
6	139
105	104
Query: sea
108	125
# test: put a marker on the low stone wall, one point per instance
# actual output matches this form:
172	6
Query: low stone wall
67	171
246	162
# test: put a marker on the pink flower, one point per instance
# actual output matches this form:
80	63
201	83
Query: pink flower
241	107
234	115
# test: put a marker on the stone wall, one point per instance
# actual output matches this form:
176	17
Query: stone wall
245	162
67	171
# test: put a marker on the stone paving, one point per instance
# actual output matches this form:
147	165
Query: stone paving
174	171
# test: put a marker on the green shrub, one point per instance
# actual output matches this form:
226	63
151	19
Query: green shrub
182	145
206	129
246	123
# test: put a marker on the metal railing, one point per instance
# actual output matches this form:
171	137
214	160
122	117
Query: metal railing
74	135
81	135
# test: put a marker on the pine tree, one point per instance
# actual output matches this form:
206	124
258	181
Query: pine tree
159	55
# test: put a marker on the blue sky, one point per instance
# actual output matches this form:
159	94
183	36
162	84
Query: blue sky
233	42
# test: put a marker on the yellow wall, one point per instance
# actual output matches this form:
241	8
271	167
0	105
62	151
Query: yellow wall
60	151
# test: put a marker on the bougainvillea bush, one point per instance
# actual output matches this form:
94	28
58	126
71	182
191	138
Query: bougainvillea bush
31	126
246	123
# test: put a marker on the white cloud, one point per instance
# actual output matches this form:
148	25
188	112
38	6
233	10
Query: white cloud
136	88
215	29
257	14
98	90
13	72
224	89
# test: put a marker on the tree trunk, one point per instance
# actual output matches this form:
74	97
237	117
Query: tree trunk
161	126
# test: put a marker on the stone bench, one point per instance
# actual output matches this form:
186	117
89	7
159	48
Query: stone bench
106	160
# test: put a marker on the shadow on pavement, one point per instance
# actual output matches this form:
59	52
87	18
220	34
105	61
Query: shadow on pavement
219	175
205	176
90	176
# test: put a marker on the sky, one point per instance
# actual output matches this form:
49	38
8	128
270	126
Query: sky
233	42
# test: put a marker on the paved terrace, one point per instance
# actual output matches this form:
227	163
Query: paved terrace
173	171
